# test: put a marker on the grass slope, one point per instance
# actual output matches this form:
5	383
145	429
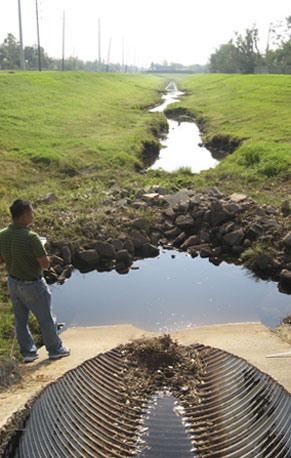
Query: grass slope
252	108
72	121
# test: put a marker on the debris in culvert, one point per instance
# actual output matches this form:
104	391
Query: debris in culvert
153	364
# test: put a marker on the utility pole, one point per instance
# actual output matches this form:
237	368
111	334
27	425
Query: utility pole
99	41
108	56
122	61
63	45
20	37
269	35
38	40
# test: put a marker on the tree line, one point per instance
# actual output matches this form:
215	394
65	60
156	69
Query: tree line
240	55
10	60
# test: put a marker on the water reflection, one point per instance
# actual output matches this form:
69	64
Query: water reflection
164	433
181	147
172	95
168	294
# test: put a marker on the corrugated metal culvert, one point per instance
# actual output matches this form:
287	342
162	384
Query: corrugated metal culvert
237	412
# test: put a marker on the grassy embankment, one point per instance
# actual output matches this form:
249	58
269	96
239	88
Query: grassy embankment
73	134
77	134
253	109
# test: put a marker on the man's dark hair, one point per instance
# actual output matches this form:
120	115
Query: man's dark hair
19	207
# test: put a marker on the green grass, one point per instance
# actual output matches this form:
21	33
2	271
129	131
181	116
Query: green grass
252	108
73	121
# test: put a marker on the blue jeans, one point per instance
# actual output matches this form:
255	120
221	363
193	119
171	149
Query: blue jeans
33	296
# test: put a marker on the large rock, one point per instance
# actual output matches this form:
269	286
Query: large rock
150	197
117	244
56	259
179	196
270	223
180	239
87	257
234	238
219	214
129	246
254	231
66	255
263	261
191	241
170	213
184	221
104	249
51	276
138	239
205	251
236	197
173	233
123	258
286	241
285	207
285	275
232	208
140	223
192	250
149	251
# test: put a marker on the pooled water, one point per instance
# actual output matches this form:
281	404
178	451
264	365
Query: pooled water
167	294
182	147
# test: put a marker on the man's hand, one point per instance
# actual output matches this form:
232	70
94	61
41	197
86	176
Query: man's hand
2	260
44	262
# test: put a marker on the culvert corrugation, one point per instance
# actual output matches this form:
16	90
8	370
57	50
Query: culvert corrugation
240	413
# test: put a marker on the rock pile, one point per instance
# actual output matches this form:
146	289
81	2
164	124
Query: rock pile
220	227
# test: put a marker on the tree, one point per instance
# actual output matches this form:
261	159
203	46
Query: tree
31	58
248	53
280	37
239	57
225	59
9	53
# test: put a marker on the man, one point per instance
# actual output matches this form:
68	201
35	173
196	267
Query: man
25	258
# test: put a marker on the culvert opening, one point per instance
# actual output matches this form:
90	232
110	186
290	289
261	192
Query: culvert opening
228	407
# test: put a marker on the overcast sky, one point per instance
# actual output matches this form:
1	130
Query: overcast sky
181	31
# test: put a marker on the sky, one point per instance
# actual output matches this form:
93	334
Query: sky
138	32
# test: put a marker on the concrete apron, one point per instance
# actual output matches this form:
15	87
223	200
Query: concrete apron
250	341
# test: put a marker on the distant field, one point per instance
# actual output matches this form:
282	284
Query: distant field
255	108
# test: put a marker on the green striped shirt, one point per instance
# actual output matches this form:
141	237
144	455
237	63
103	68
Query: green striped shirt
20	247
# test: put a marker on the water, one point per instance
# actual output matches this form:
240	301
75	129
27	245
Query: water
164	434
168	294
181	147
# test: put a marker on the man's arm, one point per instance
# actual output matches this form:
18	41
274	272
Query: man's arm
44	262
2	260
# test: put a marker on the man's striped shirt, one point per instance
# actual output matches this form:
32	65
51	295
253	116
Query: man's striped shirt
20	247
